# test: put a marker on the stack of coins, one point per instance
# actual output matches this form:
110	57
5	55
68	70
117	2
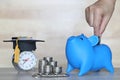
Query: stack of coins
41	66
47	66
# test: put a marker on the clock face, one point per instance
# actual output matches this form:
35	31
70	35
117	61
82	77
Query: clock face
27	60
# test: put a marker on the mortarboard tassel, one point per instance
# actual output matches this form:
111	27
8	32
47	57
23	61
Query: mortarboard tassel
16	52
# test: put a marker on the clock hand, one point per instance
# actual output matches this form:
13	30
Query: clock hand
25	60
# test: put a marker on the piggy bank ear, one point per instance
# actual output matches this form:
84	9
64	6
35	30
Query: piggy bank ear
94	40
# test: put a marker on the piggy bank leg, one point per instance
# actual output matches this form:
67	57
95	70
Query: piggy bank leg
109	67
69	68
84	69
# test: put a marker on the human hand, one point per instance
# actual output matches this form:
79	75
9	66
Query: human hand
99	14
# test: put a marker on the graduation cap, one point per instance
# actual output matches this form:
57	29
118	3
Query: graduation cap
22	44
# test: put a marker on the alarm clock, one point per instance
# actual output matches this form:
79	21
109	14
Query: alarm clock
24	58
27	61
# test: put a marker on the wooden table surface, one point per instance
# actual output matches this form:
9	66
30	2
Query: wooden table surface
12	74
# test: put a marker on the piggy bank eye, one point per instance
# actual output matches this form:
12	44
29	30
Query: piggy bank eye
81	38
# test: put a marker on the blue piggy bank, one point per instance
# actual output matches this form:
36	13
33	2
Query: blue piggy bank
87	55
